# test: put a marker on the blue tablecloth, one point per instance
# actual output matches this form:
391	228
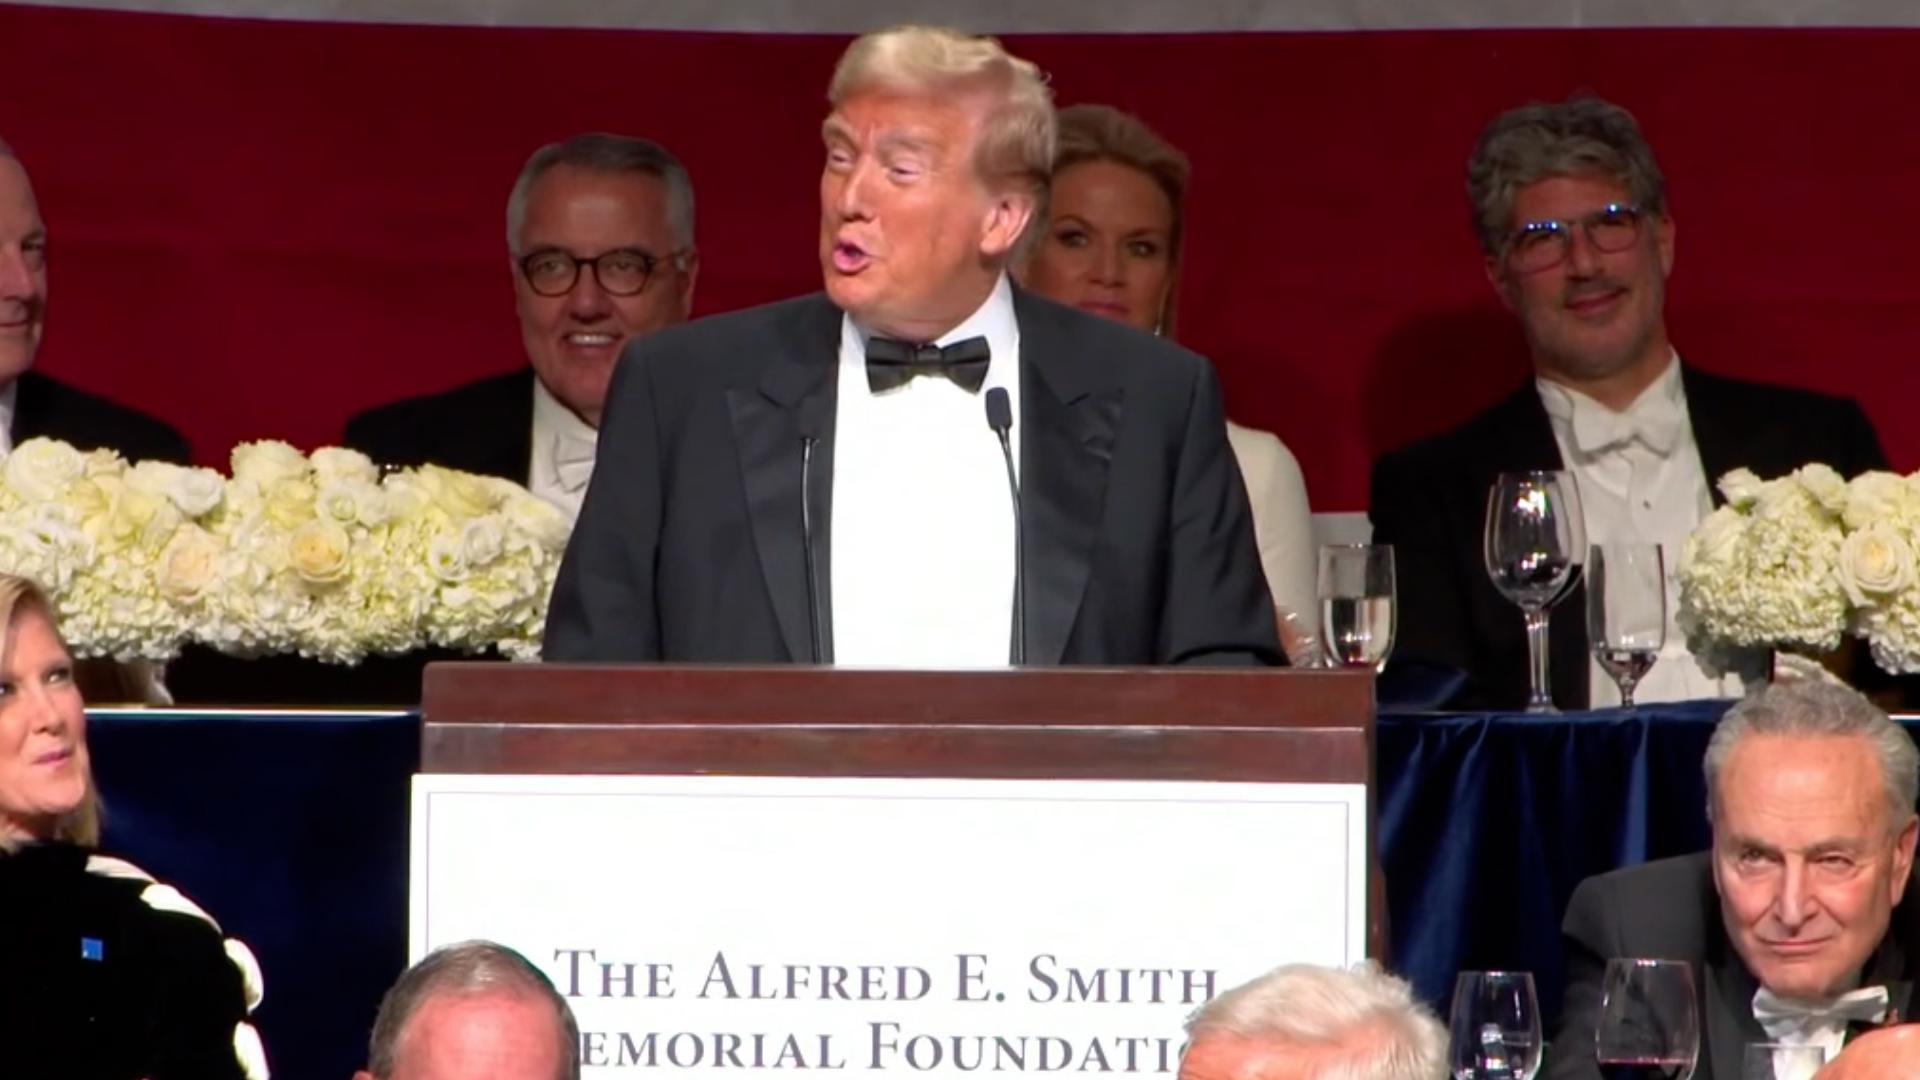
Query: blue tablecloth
292	830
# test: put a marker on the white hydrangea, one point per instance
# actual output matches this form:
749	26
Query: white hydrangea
320	555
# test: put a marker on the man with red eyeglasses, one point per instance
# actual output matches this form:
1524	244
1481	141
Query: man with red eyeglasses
1572	216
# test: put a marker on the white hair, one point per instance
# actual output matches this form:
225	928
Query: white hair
1807	707
1363	1023
608	155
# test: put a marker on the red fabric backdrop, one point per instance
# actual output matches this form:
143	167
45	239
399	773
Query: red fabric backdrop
260	228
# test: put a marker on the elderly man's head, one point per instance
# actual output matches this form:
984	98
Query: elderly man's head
23	269
473	1011
938	149
1811	790
1302	1022
1571	211
600	228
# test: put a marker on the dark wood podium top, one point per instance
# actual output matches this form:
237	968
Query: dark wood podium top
1075	723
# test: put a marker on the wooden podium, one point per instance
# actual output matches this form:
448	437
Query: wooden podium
1038	723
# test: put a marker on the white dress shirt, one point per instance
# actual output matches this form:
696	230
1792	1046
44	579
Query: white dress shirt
7	399
563	448
922	541
1641	481
1822	1023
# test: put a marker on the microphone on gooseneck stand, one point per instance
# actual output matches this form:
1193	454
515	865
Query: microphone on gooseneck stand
1000	419
810	428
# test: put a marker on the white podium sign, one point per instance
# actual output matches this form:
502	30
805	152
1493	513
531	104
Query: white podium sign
727	925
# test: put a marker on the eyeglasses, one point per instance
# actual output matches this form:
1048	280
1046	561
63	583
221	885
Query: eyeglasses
620	272
1542	245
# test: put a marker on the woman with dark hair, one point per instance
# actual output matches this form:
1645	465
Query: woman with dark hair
1111	246
104	972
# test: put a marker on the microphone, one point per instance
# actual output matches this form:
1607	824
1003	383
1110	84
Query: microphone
810	428
1000	419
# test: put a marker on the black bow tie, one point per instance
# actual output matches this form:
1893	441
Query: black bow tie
892	364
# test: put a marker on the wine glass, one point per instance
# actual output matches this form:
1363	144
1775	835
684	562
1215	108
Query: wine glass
1649	1022
1495	1028
1357	603
1626	611
1781	1061
1535	540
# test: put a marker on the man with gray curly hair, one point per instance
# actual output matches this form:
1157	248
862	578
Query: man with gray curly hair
1303	1022
1577	237
1799	922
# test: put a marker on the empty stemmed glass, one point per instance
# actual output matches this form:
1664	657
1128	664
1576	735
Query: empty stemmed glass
1535	541
1626	611
1494	1033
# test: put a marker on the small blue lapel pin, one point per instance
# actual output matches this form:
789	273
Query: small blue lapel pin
92	948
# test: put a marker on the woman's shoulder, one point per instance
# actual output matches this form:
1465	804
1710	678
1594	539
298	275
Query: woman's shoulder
113	950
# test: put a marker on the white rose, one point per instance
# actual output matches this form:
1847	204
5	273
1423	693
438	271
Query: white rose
1827	487
1875	563
463	495
333	463
38	468
194	491
546	523
318	552
481	541
447	559
1876	496
339	501
267	462
1715	540
189	564
1740	487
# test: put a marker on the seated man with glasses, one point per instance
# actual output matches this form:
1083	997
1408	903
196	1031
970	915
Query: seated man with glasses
600	230
1572	216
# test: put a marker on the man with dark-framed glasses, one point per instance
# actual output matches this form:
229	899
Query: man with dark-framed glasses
1571	212
600	239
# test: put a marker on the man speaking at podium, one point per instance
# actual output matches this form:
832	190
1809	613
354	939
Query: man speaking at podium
908	403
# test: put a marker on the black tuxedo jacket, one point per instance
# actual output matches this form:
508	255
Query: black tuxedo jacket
1670	909
483	427
1429	501
46	408
1138	545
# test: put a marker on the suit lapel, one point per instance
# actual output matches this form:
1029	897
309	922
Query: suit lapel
1728	1025
1069	417
767	429
1714	432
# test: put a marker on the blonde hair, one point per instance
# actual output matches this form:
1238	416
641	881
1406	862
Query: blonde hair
1016	142
18	595
1104	133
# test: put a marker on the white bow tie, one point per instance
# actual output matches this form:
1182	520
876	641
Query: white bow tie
1656	424
1785	1017
572	462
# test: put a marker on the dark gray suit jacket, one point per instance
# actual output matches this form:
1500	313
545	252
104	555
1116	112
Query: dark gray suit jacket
1429	501
1138	545
1669	909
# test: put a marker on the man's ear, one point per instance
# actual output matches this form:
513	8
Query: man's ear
1497	277
1007	220
688	276
1903	857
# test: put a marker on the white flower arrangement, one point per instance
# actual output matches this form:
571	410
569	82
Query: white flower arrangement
1801	561
315	554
